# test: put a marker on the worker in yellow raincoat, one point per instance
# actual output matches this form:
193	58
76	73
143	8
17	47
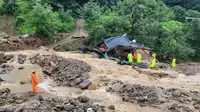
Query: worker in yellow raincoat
153	63
139	58
130	58
173	63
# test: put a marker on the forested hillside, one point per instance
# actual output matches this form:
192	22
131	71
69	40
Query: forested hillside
169	27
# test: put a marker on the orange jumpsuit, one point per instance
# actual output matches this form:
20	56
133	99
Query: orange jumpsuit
34	82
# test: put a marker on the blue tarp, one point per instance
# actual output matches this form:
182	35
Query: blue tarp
113	42
108	57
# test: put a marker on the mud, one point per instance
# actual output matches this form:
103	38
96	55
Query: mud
65	72
188	68
172	99
19	44
36	103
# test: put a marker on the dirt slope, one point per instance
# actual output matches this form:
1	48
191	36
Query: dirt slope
77	33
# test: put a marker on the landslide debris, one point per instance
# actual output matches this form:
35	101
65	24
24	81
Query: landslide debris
65	72
29	102
172	99
15	44
4	58
4	68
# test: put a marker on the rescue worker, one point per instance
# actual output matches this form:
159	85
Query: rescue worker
135	56
139	58
173	63
130	58
153	63
34	81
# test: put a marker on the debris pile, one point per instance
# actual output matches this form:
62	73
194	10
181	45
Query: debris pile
65	72
4	58
4	68
19	44
7	98
171	99
47	104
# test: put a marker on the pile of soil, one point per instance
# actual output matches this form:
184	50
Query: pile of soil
19	44
72	46
188	68
172	99
65	72
29	102
12	99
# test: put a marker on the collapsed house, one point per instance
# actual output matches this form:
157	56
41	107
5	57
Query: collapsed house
117	48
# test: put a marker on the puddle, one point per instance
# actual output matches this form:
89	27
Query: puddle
16	75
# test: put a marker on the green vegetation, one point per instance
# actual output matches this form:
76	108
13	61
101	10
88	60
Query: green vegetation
37	17
169	27
170	31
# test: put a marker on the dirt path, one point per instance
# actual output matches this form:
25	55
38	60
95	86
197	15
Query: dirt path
78	32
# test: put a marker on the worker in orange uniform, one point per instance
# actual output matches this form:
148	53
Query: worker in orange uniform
135	56
34	81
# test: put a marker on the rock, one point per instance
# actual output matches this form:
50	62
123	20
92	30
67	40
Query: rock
21	59
94	86
19	109
35	104
111	107
77	81
22	82
40	98
11	100
1	70
4	90
1	80
141	99
2	102
69	107
9	57
59	107
48	71
10	109
83	99
117	87
90	110
19	101
2	60
84	84
20	68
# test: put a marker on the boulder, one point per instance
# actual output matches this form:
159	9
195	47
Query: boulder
85	84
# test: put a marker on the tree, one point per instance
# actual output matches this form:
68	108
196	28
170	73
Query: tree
193	30
145	17
108	25
180	13
173	41
40	20
9	7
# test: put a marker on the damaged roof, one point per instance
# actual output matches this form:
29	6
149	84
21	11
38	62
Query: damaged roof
113	42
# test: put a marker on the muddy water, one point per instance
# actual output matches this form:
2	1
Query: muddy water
110	69
16	75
